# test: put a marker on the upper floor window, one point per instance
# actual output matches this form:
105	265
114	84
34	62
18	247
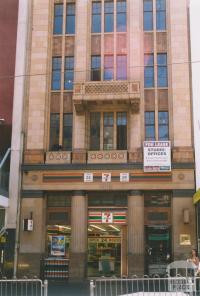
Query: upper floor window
58	19
148	15
162	79
108	16
106	138
161	14
56	73
148	70
96	68
121	67
121	16
163	126
67	131
69	73
150	126
54	131
108	67
96	17
70	18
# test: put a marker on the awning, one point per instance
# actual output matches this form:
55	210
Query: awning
196	196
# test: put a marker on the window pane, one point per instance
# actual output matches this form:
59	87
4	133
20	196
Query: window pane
95	68
54	132
70	19
148	15
56	73
160	15
121	67
163	125
148	70
67	132
162	70
121	16
121	131
58	19
69	73
96	17
108	131
149	126
108	67
95	130
108	17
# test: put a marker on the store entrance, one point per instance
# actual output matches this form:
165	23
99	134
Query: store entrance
105	250
158	249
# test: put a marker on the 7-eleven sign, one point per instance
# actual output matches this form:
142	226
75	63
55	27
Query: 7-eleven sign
107	217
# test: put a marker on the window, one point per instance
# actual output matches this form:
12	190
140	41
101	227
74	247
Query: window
105	138
96	17
54	131
150	126
108	123
160	14
109	16
163	126
67	131
69	73
162	70
56	73
121	131
148	70
58	19
96	68
108	67
148	15
95	118
121	67
70	19
121	16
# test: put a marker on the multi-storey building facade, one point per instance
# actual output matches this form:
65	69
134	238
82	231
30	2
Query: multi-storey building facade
103	77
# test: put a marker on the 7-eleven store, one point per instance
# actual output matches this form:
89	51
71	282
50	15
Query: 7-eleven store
107	242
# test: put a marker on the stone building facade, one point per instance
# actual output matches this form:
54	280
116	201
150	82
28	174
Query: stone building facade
103	77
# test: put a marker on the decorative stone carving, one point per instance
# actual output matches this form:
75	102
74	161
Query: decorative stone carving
112	156
58	157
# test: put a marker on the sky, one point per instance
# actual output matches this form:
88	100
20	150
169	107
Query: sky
195	57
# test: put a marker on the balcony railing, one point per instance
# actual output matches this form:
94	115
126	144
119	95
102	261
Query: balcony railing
127	92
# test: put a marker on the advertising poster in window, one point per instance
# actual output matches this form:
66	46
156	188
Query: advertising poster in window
157	156
58	245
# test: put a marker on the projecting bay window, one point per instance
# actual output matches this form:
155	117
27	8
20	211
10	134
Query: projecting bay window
108	131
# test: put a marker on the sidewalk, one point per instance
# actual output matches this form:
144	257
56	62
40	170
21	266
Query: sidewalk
69	288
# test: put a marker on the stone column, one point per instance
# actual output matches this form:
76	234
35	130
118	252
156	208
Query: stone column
78	256
135	233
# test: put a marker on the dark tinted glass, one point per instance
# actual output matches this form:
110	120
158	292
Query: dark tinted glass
67	131
121	130
95	130
54	131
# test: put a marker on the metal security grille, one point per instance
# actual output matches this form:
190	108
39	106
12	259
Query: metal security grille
23	287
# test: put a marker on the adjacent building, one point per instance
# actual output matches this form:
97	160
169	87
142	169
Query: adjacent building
108	161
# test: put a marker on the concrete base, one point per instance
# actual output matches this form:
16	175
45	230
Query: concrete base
77	266
136	264
29	264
